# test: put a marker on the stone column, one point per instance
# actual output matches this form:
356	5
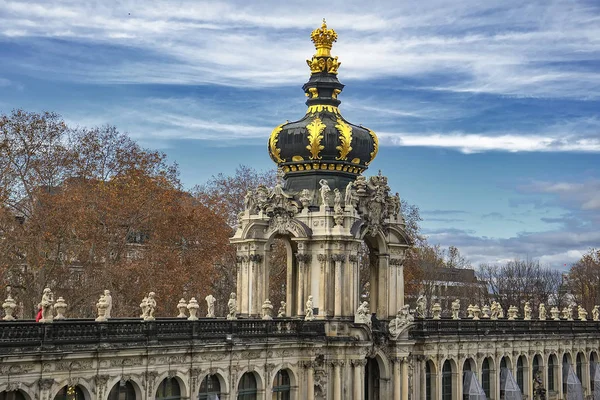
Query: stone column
338	259
352	283
396	286
397	381
358	379
310	381
405	378
585	371
239	286
289	290
244	283
322	288
383	288
391	283
303	294
255	285
421	377
337	379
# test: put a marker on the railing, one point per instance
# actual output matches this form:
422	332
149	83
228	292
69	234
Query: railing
424	328
85	333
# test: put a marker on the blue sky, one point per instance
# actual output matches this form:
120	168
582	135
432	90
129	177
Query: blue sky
488	112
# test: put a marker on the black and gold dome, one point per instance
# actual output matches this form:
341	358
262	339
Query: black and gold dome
322	144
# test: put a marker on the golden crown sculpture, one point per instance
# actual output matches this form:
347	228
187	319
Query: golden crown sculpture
323	39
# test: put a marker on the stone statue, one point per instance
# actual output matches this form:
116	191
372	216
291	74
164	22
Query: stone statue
513	312
455	309
500	311
539	392
476	311
363	314
555	313
402	321
60	307
150	307
582	313
108	299
436	310
232	307
281	311
181	307
494	310
193	307
542	312
324	190
267	310
9	306
210	306
361	185
596	313
485	311
308	311
249	201
348	196
144	306
101	307
305	198
46	303
567	313
337	207
421	309
396	205
470	311
527	311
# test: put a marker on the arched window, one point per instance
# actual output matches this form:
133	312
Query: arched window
593	366
12	395
485	377
503	363
447	381
210	388
70	393
551	374
281	386
520	375
168	390
428	378
122	391
247	389
566	363
579	366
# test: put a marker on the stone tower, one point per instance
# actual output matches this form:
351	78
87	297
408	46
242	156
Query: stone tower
324	209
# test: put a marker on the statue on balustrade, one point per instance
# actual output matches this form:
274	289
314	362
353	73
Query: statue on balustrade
232	307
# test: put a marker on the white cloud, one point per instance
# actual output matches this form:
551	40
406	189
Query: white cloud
515	49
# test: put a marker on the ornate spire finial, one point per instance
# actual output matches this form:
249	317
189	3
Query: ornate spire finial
323	39
322	61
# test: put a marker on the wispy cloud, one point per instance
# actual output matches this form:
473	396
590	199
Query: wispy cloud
515	49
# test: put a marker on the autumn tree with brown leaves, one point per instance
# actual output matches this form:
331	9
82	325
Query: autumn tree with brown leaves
83	210
584	280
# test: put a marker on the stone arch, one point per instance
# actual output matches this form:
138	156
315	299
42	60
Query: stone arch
488	376
179	376
430	374
260	381
553	372
566	358
522	367
23	391
221	376
85	387
294	298
137	386
294	384
448	379
505	360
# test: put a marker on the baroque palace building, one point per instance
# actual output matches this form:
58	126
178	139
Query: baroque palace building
325	343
